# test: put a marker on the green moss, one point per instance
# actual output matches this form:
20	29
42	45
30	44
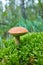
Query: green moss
30	50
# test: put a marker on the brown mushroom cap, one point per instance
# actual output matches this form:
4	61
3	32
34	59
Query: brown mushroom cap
18	31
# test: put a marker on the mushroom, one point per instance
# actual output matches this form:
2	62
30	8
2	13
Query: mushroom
17	32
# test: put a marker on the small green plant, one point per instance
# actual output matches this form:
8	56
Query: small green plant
29	52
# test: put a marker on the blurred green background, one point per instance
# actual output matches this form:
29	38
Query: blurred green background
26	13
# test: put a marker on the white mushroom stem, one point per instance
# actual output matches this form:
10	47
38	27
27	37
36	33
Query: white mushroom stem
17	39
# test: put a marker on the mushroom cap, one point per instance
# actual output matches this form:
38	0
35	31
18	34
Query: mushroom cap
18	31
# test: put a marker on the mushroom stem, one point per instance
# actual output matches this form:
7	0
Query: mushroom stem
17	39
